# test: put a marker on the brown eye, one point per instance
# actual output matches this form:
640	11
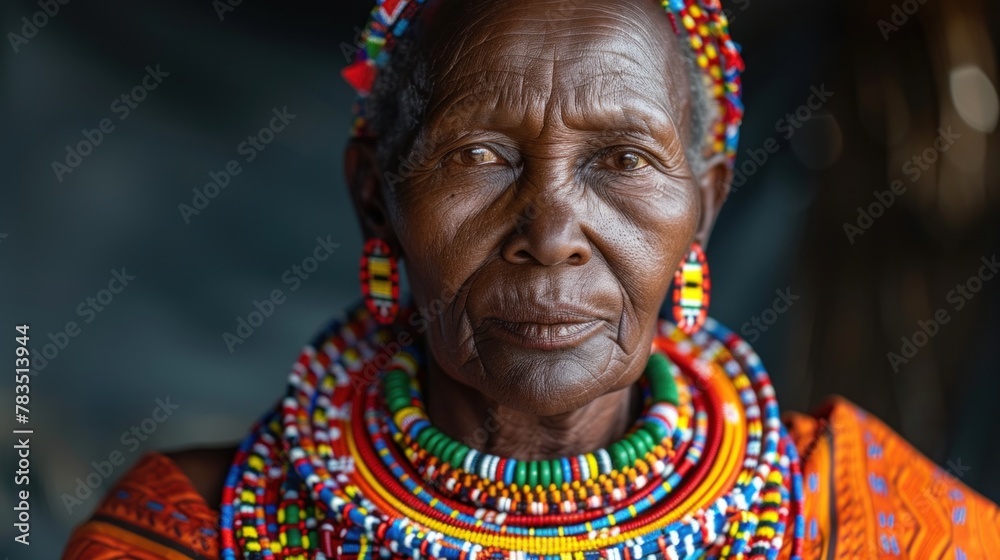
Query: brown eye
627	161
477	155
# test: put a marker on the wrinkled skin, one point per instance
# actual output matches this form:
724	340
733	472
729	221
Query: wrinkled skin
550	190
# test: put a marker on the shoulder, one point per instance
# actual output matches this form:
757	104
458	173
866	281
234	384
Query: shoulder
160	508
868	492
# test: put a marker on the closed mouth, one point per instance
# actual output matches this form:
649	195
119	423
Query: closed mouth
545	334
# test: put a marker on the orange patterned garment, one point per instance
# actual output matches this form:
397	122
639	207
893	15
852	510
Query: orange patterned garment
868	494
153	512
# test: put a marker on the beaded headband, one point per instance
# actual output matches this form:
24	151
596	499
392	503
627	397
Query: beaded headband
702	21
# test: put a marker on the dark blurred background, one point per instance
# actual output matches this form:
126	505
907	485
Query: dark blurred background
840	96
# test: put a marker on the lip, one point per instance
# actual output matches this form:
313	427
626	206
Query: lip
545	332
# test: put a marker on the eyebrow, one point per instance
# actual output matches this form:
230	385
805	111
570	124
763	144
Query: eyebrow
614	102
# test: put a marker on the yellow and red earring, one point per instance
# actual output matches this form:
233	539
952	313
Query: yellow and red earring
380	280
692	288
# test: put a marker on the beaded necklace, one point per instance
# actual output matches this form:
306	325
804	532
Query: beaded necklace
348	465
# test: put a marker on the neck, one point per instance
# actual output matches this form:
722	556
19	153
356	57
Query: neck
482	423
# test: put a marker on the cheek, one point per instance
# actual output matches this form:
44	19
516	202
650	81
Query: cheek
648	237
441	244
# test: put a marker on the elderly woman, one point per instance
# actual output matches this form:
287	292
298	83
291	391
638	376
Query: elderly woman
548	171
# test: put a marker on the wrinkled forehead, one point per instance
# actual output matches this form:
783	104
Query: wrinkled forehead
573	54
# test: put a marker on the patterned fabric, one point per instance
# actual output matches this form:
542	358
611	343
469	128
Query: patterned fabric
869	494
152	513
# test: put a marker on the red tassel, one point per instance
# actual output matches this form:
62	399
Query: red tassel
361	76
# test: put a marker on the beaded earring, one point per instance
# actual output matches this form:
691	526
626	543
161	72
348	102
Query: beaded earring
380	280
691	289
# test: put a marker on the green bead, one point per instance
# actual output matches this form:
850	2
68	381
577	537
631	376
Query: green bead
313	539
532	473
659	370
397	403
545	474
292	514
392	392
294	537
442	444
458	455
397	378
374	45
629	451
557	474
648	442
655	430
637	444
520	473
424	435
619	457
396	392
448	450
396	385
433	442
393	385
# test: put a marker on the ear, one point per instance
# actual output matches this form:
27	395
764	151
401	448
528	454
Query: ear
364	182
714	184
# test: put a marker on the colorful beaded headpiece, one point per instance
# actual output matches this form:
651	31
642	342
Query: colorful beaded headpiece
702	21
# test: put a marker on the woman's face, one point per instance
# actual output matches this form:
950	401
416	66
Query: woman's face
550	190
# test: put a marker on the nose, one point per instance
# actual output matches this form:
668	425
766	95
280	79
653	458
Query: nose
548	232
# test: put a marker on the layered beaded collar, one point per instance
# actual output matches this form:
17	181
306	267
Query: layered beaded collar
349	466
